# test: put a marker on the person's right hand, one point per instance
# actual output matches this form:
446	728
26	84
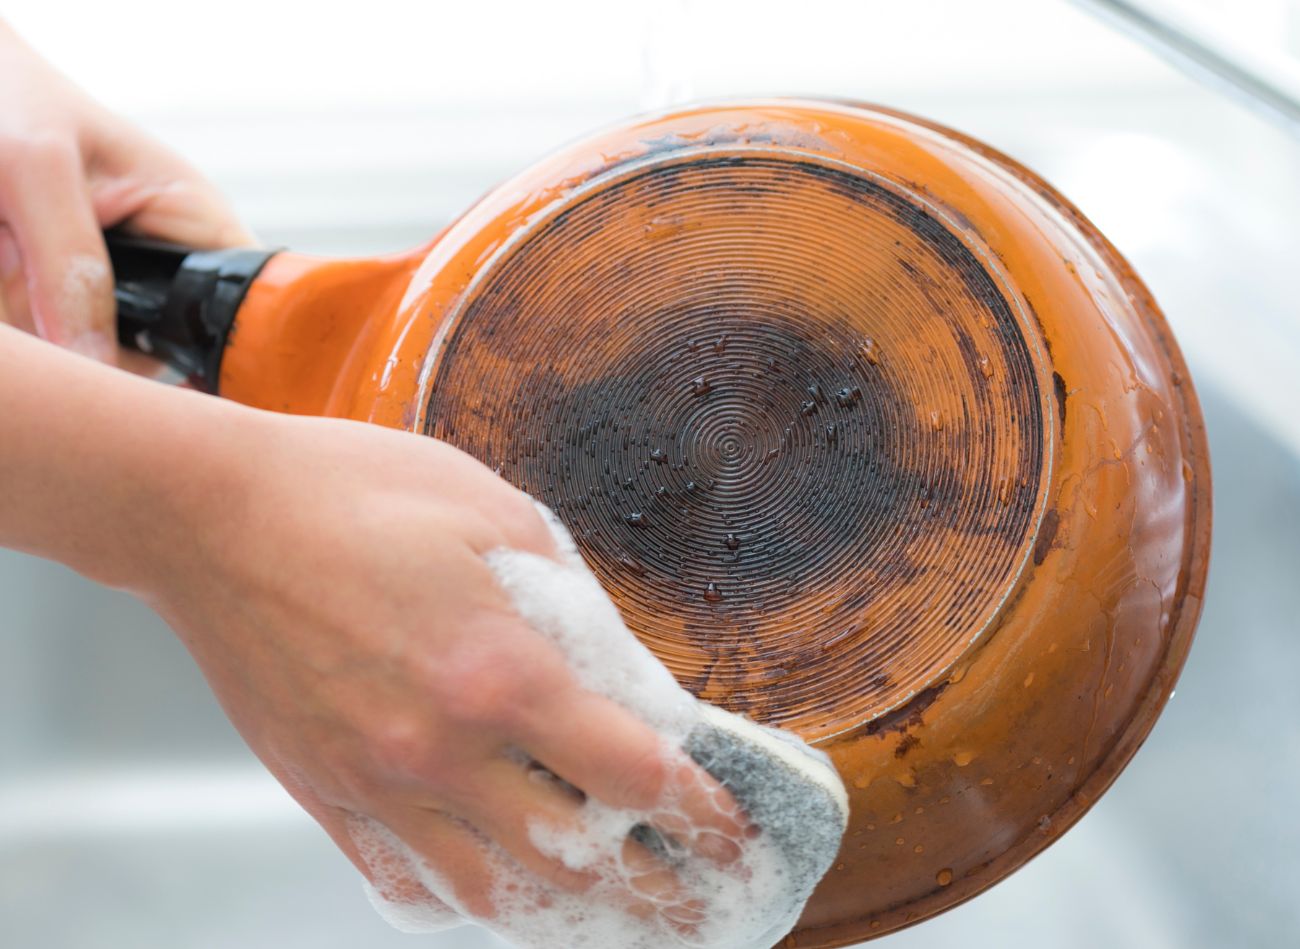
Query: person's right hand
334	591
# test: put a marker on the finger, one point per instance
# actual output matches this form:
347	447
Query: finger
526	529
371	847
13	289
150	190
45	202
379	857
515	806
598	746
658	886
189	211
453	853
534	817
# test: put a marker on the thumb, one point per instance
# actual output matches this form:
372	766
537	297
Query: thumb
45	202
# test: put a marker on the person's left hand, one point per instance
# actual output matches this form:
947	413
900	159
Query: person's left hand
69	168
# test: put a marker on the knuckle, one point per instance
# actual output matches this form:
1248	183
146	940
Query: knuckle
480	533
399	744
530	531
38	149
483	686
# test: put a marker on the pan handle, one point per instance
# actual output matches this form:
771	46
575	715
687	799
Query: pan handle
178	303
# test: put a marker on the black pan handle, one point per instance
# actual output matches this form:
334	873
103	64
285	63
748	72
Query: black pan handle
179	304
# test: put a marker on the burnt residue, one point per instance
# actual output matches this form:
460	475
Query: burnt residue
908	742
652	472
1058	385
1046	535
908	715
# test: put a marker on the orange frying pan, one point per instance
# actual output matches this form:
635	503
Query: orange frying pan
866	429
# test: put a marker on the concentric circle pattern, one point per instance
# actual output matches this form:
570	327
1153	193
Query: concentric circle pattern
788	413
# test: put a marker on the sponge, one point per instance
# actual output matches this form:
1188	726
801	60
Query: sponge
788	789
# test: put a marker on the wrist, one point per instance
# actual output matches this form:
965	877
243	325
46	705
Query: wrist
191	478
114	476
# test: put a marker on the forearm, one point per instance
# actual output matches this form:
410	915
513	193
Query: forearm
99	469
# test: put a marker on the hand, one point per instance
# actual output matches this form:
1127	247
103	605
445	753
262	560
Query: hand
68	170
337	600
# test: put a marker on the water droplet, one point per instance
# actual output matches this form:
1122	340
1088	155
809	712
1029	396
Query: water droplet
936	420
1044	823
711	593
870	351
963	758
771	455
635	520
807	408
631	565
943	877
848	397
700	386
627	484
732	541
919	848
898	841
690	485
832	433
661	491
771	366
1187	472
720	344
1029	680
986	367
815	391
658	455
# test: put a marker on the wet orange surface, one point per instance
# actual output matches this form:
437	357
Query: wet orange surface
867	431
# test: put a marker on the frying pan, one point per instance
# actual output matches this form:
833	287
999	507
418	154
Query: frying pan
866	429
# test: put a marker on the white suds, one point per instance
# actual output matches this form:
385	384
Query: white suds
87	287
787	788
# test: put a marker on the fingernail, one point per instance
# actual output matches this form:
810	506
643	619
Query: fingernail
684	914
717	848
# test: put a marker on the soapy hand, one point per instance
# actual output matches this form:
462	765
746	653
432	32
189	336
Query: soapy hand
69	169
340	605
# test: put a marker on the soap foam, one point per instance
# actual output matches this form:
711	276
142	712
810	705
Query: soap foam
788	789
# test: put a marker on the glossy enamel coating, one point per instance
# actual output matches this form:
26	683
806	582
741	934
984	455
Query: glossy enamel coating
869	433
